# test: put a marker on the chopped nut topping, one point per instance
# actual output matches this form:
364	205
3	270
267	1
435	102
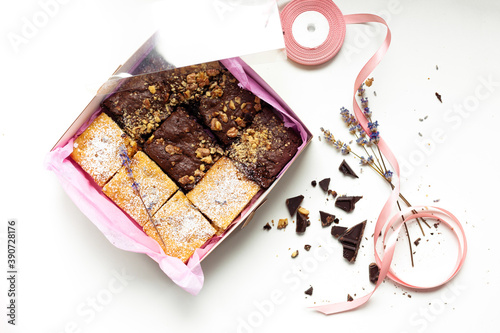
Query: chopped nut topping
240	122
215	125
208	159
218	92
212	72
191	78
202	167
152	89
202	152
198	173
257	100
232	132
295	254
237	99
173	150
243	106
146	103
257	107
223	117
184	180
202	79
231	105
303	211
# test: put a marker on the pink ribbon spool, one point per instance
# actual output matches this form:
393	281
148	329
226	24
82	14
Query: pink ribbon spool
329	48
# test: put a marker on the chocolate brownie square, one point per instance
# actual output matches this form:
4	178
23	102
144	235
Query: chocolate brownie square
183	149
140	105
264	148
228	109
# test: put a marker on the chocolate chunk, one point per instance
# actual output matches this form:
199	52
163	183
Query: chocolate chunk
349	298
294	203
307	247
351	239
347	203
346	169
267	226
326	218
374	272
417	241
439	97
302	223
337	231
309	291
324	184
313	183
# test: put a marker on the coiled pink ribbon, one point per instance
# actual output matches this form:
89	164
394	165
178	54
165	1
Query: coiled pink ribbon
387	220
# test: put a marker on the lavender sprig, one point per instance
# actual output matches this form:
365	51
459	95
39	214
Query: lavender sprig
127	163
370	140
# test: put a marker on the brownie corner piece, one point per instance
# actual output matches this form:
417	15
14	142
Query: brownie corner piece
182	148
265	147
140	105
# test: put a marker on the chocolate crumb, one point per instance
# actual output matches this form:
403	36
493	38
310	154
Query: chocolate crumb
307	247
439	97
324	184
294	203
436	225
346	170
309	291
417	241
267	227
313	183
349	298
374	272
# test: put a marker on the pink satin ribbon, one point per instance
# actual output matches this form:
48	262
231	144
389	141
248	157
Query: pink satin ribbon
387	220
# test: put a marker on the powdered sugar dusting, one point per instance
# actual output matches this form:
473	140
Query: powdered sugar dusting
97	149
182	227
223	193
154	186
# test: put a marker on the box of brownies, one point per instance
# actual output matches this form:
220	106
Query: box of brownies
168	161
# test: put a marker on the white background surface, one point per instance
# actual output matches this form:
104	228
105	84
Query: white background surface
67	279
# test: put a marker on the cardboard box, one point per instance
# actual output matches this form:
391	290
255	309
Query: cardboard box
117	226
